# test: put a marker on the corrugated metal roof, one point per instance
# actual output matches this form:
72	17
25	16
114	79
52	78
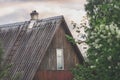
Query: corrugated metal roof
25	48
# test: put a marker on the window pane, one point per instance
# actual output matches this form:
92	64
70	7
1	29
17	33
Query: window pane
60	60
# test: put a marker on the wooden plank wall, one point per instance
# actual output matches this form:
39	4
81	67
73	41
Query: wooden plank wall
49	62
54	75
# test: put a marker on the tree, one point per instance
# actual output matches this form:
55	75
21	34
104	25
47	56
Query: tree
4	69
104	42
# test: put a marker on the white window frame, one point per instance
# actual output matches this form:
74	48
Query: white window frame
60	59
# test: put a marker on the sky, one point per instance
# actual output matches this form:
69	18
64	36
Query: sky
12	11
19	10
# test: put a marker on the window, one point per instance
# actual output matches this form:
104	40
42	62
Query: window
60	59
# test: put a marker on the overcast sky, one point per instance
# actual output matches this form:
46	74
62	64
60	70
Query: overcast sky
12	11
19	10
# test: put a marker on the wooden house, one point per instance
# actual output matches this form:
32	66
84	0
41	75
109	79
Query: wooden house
39	49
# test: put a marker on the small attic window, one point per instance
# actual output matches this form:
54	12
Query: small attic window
60	59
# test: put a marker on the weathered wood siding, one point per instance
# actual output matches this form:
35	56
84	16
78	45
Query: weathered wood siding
53	75
49	61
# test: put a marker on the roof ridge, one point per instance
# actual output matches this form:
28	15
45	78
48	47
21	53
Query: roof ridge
52	18
12	24
41	20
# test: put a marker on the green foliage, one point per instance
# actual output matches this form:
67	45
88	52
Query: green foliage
103	40
103	12
83	72
70	39
1	53
4	69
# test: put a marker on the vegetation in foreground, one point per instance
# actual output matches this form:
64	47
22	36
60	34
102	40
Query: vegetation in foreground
103	40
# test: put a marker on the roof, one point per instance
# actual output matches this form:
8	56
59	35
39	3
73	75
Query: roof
25	48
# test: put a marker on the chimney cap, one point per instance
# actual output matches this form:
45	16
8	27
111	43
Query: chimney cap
34	13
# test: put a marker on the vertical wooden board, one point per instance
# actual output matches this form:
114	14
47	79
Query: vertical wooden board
54	75
59	41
